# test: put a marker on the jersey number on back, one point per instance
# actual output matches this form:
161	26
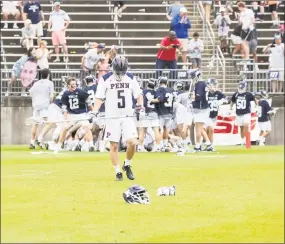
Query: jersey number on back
122	99
149	98
92	97
241	104
73	103
169	100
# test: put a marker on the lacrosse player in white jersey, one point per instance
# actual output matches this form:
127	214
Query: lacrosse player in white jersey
42	95
118	88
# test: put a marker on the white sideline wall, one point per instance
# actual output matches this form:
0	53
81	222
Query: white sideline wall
15	132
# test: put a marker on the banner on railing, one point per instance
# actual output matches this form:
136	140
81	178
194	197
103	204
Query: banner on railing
227	132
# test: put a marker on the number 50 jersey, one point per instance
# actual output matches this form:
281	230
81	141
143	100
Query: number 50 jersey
242	101
118	95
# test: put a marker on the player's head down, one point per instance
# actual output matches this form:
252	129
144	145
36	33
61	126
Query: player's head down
71	83
179	86
90	79
212	84
151	83
162	81
120	66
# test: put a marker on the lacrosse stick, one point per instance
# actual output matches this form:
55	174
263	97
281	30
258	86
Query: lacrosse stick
38	121
210	66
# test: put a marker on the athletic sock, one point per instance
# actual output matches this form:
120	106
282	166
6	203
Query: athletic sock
127	162
117	168
33	142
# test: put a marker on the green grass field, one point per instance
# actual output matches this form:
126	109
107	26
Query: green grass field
236	195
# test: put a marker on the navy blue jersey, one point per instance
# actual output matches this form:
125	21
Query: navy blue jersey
201	96
242	101
91	90
213	100
75	102
57	101
262	110
166	100
148	95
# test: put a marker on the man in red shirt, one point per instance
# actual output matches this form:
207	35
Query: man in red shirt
167	55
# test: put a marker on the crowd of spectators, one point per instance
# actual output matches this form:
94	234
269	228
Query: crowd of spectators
177	43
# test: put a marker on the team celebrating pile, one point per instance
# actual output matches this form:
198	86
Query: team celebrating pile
117	114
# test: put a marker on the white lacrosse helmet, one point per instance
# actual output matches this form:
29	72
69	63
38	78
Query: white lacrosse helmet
136	195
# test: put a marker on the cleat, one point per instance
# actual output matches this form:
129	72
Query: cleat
39	144
46	146
32	146
197	149
91	149
129	172
119	176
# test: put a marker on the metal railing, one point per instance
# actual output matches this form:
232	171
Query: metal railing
221	64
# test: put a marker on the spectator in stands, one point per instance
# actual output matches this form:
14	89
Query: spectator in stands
119	7
17	69
174	10
27	35
276	63
252	44
90	60
236	39
43	55
258	9
207	8
272	7
58	24
196	47
246	19
166	55
281	33
10	8
222	22
181	25
33	11
105	62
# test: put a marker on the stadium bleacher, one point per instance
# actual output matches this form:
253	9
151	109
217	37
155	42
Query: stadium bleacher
141	27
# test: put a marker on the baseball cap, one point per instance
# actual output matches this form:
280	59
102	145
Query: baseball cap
222	9
56	4
183	10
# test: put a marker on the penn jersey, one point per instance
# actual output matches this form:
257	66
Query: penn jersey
57	101
214	104
166	99
118	95
75	102
201	96
242	101
262	110
148	96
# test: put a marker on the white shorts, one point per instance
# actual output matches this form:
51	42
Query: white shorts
37	29
210	122
164	121
188	118
149	121
184	43
42	113
201	115
115	128
78	116
264	126
241	120
12	11
236	39
54	113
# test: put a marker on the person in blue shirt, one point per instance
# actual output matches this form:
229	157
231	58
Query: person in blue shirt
181	25
173	10
33	11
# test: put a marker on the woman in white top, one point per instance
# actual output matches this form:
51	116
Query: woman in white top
276	64
43	55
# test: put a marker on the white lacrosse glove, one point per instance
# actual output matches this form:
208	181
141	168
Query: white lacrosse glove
92	115
166	191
